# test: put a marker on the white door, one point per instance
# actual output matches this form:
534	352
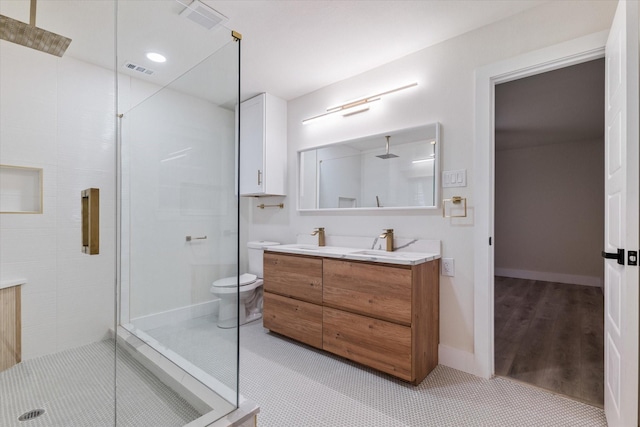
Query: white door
621	218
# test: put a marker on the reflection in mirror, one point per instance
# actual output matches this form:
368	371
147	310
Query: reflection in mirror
396	169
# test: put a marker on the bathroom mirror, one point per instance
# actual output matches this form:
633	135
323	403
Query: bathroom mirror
391	170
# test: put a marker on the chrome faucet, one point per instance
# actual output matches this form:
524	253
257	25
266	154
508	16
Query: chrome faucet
320	232
388	236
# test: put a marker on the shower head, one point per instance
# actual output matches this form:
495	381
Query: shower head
31	36
388	155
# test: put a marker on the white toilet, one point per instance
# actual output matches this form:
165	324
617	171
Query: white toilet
250	290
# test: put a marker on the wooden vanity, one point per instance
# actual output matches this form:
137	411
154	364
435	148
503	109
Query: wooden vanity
385	316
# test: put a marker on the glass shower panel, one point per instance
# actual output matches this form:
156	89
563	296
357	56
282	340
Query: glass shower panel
179	222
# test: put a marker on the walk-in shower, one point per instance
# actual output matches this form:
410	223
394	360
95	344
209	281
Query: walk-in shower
179	222
126	336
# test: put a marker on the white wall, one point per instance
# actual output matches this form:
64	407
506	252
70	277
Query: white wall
58	114
445	74
549	212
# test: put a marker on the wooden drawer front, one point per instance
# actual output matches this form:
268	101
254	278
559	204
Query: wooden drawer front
382	345
293	276
299	320
374	290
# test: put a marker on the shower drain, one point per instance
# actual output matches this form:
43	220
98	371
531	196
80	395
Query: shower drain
34	413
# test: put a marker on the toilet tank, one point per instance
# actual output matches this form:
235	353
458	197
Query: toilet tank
255	253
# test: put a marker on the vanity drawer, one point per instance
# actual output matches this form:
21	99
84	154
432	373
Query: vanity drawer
382	345
295	319
380	291
294	276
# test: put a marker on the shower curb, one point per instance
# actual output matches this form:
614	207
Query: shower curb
186	385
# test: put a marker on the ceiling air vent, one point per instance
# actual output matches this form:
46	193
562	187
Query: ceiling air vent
202	14
139	68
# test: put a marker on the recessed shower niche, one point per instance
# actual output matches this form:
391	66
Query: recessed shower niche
20	189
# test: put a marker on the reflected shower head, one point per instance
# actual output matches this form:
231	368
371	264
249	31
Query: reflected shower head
29	35
387	155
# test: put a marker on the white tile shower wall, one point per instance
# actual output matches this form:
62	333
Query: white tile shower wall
178	156
445	73
57	114
28	105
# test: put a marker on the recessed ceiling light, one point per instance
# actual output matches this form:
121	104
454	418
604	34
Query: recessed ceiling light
156	57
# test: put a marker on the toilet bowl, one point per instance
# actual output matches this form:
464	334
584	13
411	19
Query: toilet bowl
248	304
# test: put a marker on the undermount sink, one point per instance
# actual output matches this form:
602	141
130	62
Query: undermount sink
383	254
307	247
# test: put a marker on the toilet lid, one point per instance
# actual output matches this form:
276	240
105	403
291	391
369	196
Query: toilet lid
228	282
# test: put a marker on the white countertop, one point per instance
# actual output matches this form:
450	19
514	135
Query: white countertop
7	283
359	254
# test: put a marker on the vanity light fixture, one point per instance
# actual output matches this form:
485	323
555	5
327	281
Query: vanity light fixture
346	108
358	111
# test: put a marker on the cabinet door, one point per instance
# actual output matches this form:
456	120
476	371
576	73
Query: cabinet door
252	143
382	345
374	290
295	319
293	276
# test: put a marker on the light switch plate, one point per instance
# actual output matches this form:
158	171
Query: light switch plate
455	178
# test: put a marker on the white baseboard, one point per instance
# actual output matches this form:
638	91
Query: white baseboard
550	277
457	359
176	315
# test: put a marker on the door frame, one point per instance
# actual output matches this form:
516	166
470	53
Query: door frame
573	52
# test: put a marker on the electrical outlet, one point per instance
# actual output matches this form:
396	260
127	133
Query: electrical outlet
448	267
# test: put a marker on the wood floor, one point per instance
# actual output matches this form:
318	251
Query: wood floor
551	335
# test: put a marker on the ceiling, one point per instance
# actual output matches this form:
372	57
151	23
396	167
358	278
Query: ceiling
289	48
564	105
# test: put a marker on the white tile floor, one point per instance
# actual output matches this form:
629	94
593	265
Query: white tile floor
296	385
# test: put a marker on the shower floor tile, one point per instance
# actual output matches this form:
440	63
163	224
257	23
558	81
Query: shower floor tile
75	387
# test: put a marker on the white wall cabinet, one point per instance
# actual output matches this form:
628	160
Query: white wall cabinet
263	146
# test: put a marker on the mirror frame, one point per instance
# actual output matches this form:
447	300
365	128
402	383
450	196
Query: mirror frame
436	175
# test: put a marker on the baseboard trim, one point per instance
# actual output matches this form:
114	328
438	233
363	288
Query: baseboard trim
550	277
176	315
457	359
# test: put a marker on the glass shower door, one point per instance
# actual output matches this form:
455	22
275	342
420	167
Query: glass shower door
179	224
